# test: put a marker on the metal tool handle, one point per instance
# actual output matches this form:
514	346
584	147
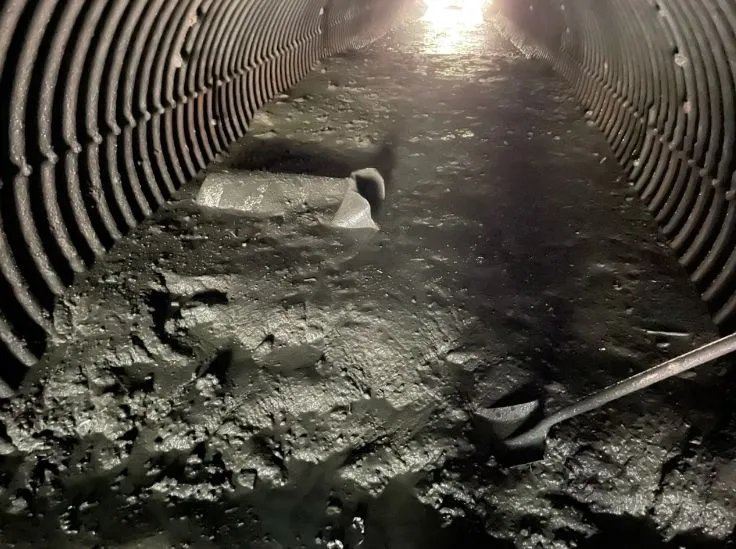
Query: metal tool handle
644	379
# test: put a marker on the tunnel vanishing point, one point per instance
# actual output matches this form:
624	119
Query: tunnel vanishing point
108	106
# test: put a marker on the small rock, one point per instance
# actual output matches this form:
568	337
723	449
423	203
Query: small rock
263	119
247	479
17	506
6	448
460	358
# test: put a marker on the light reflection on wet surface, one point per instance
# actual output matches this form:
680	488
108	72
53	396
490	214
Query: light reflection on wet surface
451	26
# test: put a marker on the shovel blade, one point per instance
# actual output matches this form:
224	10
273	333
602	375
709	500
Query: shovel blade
526	446
519	437
507	420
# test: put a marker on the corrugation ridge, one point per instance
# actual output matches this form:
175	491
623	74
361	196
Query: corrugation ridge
659	80
136	98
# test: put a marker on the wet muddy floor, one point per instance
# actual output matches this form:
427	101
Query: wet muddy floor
226	380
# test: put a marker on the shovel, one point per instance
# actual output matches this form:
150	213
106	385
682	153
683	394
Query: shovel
521	430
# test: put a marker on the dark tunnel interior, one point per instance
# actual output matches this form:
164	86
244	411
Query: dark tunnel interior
191	355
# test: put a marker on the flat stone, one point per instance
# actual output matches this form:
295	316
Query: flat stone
264	194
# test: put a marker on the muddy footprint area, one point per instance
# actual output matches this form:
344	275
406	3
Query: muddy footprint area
225	380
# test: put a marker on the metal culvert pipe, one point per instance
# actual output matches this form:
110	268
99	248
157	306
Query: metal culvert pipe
108	106
658	77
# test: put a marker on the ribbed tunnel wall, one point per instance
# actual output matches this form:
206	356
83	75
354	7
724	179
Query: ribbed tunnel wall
659	78
108	106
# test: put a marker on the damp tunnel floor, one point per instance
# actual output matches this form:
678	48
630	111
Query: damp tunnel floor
224	381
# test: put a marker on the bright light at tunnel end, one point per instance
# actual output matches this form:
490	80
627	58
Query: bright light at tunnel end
457	14
450	24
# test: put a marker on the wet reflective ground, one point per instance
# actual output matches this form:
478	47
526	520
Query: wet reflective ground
222	381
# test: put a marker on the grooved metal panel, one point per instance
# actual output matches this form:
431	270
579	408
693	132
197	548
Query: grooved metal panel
108	106
658	77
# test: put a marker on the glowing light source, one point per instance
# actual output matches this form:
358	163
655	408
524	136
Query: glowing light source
449	23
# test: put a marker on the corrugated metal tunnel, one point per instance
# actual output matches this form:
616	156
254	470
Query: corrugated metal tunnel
109	106
213	333
659	79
